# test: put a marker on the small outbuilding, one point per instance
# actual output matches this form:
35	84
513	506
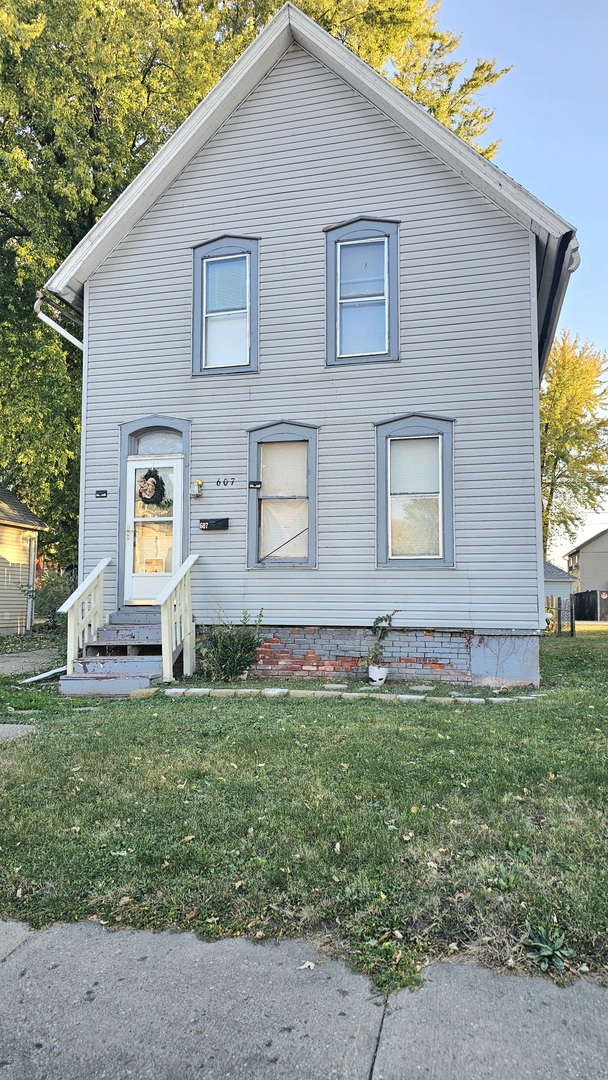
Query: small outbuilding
558	583
19	529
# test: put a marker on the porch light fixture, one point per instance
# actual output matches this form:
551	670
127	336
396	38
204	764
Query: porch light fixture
196	489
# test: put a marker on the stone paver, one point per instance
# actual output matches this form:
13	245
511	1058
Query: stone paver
15	731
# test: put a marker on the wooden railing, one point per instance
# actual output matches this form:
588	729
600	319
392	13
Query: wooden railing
84	609
177	628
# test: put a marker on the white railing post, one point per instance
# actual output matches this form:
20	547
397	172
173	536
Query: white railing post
84	609
175	603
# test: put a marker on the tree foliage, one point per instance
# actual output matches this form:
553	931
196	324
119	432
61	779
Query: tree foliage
89	89
574	435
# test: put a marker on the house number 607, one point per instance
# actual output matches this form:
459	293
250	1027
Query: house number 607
226	481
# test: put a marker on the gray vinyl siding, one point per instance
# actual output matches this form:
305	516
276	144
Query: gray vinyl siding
303	152
594	564
14	569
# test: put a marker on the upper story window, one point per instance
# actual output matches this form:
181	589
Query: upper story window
362	292
225	309
415	491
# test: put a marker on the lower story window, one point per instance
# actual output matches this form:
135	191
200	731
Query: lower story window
415	496
282	495
415	527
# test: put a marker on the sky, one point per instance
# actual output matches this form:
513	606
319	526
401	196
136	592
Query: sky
552	117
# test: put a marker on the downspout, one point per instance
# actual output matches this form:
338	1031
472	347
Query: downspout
42	299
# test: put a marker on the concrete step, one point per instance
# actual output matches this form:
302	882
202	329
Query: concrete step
103	685
135	616
130	634
137	664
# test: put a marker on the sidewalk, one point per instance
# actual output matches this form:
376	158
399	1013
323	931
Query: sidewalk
80	1003
25	663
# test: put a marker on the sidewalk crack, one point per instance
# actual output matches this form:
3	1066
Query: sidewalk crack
370	1075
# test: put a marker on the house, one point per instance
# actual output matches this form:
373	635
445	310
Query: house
588	563
19	529
558	584
315	326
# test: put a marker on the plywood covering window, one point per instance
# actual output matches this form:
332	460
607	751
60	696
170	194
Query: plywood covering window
282	495
225	307
415	491
362	292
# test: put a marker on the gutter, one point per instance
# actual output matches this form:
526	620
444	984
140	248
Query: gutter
42	299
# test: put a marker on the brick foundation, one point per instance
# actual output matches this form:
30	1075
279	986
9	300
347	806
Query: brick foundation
458	656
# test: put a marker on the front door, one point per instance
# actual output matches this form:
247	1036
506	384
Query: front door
153	539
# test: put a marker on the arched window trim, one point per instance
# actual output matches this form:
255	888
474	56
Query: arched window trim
215	249
362	228
415	425
281	431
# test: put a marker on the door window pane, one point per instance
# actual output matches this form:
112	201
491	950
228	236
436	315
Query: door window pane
153	547
153	492
159	442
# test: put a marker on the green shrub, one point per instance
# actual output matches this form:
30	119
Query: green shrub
229	648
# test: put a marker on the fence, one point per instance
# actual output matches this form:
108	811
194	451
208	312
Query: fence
560	615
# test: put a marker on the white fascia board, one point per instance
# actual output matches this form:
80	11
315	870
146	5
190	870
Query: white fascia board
200	126
290	25
434	136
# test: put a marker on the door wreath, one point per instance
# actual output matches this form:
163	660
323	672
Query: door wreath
151	488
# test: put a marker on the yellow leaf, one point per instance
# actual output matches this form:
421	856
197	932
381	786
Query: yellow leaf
186	839
413	809
239	884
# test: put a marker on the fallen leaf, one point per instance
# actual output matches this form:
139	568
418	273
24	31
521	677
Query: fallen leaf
398	935
239	884
337	848
306	966
413	809
407	836
186	839
125	900
192	914
345	765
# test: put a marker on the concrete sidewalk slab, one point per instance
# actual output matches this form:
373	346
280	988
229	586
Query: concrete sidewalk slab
78	1002
468	1023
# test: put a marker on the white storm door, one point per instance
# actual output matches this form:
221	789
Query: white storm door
153	537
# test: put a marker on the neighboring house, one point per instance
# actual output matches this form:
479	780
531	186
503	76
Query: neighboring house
315	328
558	583
19	530
588	563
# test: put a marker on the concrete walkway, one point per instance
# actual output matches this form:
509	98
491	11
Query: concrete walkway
80	1003
26	663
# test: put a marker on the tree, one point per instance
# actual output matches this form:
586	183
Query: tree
89	89
573	436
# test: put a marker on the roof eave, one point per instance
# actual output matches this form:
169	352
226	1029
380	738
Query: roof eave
290	25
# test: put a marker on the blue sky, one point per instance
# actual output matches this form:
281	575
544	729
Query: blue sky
551	115
551	112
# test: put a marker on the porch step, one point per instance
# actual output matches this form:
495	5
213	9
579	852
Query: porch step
104	685
150	616
130	634
138	664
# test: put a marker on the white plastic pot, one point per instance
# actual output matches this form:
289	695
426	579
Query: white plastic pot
377	675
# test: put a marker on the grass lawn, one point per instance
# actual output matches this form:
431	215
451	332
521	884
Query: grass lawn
387	832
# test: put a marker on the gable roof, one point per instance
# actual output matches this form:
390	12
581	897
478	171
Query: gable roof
14	512
555	573
556	244
591	540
